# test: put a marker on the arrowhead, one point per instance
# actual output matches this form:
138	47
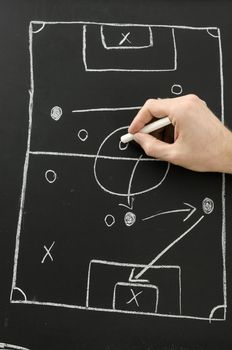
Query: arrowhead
134	279
130	204
192	210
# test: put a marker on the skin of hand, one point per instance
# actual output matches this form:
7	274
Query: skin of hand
201	142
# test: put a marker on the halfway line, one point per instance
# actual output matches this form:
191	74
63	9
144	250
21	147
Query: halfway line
105	109
83	155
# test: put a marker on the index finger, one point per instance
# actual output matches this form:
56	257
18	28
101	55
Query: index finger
157	108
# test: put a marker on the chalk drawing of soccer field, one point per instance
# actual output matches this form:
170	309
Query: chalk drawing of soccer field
103	227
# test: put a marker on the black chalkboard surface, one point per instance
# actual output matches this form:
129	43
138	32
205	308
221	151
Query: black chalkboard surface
103	247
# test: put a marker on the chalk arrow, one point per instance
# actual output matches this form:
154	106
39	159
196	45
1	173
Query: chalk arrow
130	199
191	209
134	278
130	204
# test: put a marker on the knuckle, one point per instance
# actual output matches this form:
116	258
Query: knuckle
149	102
192	98
148	149
190	101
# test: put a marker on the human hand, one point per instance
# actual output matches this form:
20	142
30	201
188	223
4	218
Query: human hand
201	142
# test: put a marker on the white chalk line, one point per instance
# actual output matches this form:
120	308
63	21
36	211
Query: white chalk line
8	346
118	193
116	311
107	47
140	285
134	298
127	24
85	155
39	30
84	47
166	212
134	280
133	266
48	254
106	109
130	206
191	210
22	292
26	158
213	35
218	307
131	277
115	263
87	69
131	179
124	39
26	165
168	248
223	182
175	49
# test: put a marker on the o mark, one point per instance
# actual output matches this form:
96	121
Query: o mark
56	113
123	146
109	220
50	176
208	205
176	89
83	135
129	218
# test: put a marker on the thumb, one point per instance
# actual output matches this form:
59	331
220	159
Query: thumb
154	147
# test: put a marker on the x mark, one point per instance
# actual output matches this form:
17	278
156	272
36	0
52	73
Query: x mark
125	38
134	297
48	254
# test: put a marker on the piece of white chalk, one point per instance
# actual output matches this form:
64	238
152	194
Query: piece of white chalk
148	128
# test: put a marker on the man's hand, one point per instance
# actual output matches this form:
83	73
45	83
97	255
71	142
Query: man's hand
201	142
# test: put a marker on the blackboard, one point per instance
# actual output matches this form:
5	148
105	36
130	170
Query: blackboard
103	247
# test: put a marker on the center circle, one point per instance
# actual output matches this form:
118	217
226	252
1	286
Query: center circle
123	175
